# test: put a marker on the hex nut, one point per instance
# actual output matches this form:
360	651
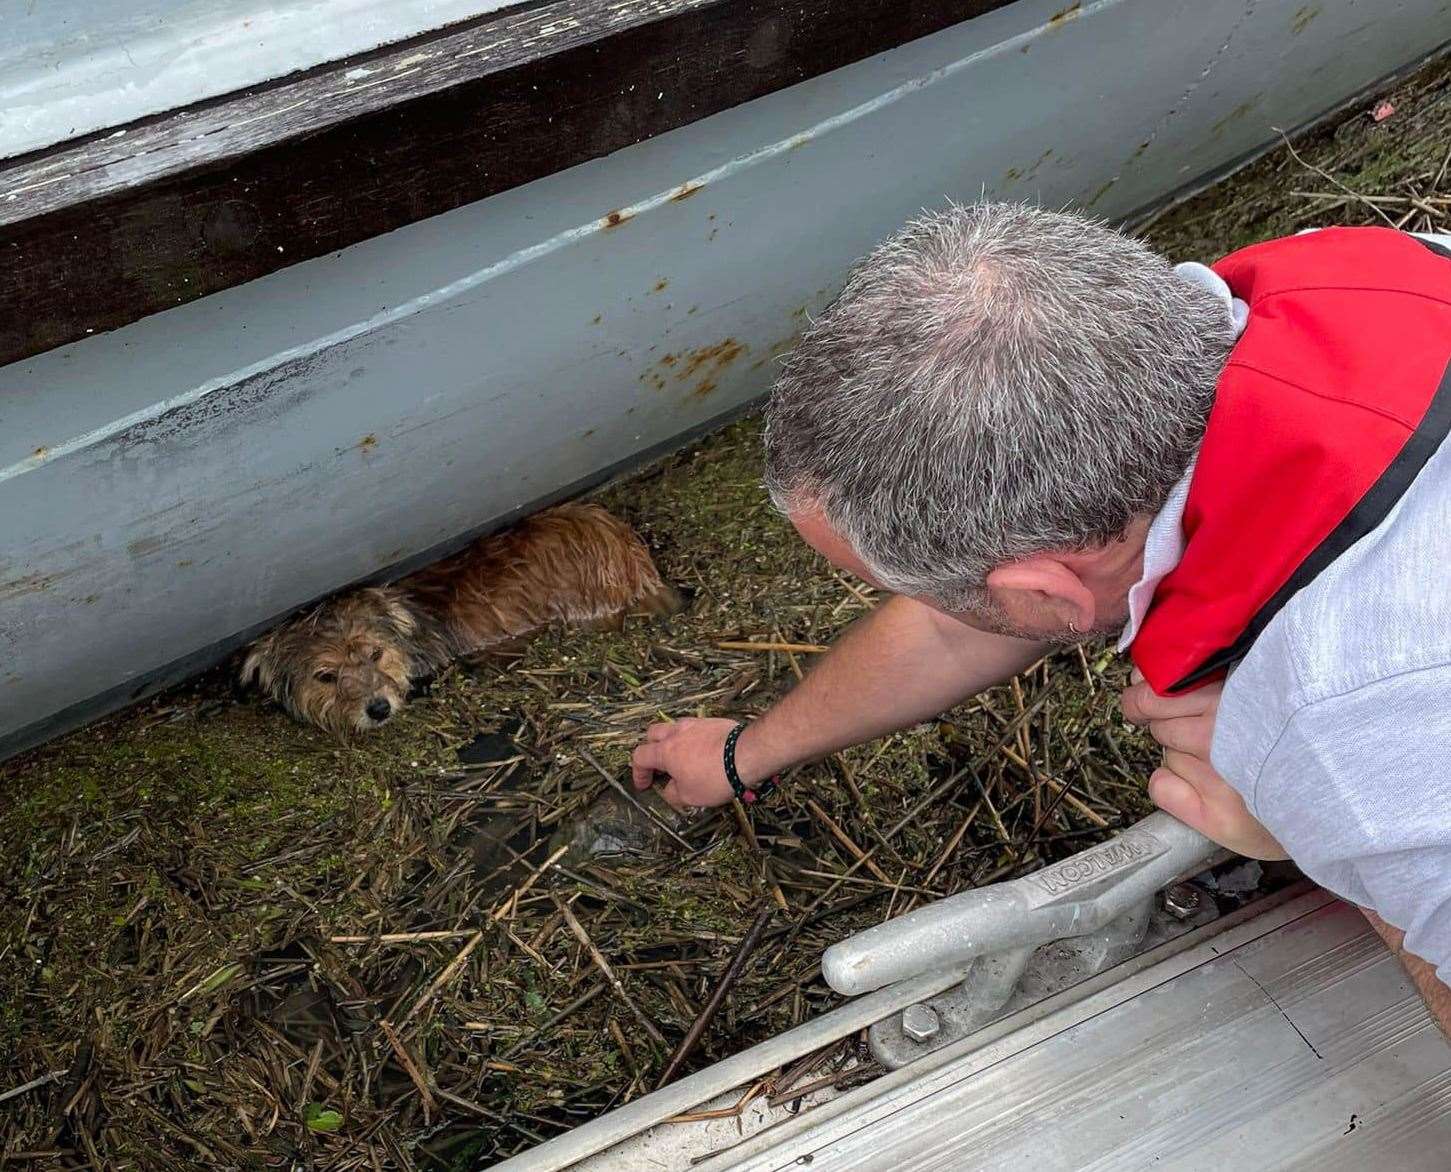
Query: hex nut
1182	901
920	1023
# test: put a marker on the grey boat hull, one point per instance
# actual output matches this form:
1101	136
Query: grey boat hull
172	487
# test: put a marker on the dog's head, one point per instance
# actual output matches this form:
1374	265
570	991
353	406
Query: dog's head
343	666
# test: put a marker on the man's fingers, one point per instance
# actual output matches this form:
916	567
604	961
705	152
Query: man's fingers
658	732
1141	704
1213	808
645	761
1184	734
1172	794
671	793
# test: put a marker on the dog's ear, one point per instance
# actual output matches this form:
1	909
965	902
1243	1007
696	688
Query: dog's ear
259	667
395	611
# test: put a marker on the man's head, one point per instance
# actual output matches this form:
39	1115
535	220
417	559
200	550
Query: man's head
991	412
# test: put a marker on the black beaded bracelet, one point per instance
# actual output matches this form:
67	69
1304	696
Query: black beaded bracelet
744	793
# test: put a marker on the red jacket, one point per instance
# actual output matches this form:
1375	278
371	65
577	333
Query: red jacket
1332	400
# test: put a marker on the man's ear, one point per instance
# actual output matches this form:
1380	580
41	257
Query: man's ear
1050	584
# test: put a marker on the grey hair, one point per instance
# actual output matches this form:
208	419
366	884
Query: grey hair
994	381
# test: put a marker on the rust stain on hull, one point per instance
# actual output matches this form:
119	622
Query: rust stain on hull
27	584
705	364
1066	14
721	355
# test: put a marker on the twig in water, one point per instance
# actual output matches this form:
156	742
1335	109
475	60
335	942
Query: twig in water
748	832
410	1067
403	937
842	837
33	1084
723	1112
723	987
478	937
1329	178
773	645
573	1007
616	985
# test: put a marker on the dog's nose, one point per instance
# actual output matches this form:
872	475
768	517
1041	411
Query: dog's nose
379	708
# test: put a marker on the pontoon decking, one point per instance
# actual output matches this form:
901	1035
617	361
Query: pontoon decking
1278	1035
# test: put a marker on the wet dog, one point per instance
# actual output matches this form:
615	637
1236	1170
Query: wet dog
347	664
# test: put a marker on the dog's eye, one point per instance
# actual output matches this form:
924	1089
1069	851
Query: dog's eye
325	676
377	654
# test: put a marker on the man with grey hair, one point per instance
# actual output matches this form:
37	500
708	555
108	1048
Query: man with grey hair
1031	429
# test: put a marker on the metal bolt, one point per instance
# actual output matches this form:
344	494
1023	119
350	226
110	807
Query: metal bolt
920	1023
1182	901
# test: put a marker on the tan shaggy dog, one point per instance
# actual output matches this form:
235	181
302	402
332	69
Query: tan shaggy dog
347	664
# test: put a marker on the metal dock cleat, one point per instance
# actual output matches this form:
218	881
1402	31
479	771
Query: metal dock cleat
1030	937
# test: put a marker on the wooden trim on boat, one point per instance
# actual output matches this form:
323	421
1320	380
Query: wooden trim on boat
102	231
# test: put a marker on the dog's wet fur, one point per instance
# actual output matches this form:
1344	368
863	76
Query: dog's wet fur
347	665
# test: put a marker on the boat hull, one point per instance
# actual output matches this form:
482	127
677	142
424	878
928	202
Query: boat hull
172	487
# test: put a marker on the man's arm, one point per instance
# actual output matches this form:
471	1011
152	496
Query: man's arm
1433	991
901	664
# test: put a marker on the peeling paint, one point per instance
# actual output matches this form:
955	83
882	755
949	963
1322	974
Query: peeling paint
660	285
616	218
685	191
1302	18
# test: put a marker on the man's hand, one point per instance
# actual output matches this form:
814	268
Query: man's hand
1186	785
903	663
691	753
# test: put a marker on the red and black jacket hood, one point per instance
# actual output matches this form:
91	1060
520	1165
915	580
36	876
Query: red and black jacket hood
1333	399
